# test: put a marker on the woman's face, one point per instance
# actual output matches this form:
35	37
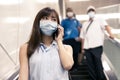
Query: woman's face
48	25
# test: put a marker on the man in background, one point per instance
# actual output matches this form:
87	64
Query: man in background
72	29
92	35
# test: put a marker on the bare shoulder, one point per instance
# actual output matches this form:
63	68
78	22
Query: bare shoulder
68	47
23	49
24	46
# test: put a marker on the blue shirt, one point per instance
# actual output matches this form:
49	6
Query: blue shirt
71	28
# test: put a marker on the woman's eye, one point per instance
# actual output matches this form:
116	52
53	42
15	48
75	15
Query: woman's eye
54	19
45	18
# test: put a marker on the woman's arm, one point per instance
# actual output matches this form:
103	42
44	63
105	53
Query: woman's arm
23	74
65	51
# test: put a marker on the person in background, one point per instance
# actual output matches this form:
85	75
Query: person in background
44	56
72	29
92	35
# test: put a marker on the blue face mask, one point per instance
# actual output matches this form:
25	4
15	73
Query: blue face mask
48	27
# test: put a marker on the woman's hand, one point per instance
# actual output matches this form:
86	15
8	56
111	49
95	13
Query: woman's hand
65	51
60	35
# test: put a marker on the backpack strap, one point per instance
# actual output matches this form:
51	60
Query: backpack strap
88	26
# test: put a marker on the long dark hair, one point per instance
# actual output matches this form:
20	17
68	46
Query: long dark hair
36	35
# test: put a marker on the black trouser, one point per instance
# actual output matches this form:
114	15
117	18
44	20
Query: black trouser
76	49
95	68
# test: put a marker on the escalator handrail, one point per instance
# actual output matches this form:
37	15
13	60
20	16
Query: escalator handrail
111	73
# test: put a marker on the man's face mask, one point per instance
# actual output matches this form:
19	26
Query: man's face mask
91	14
70	14
48	27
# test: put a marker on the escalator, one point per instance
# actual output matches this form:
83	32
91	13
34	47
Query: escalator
81	73
110	60
110	64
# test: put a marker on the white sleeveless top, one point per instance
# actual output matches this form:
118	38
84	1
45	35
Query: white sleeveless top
45	64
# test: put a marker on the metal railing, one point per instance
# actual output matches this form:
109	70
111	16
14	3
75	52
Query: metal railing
3	48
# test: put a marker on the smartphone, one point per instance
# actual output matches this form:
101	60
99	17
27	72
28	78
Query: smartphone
55	34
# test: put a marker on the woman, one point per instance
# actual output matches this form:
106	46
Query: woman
45	57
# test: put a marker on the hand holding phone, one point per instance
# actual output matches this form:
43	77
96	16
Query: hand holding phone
59	33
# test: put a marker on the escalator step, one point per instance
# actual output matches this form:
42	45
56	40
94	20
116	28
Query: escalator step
81	68
79	77
79	72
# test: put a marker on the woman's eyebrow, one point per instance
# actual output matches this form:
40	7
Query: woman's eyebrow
53	16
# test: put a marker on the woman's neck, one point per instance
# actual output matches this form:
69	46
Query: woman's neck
47	40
